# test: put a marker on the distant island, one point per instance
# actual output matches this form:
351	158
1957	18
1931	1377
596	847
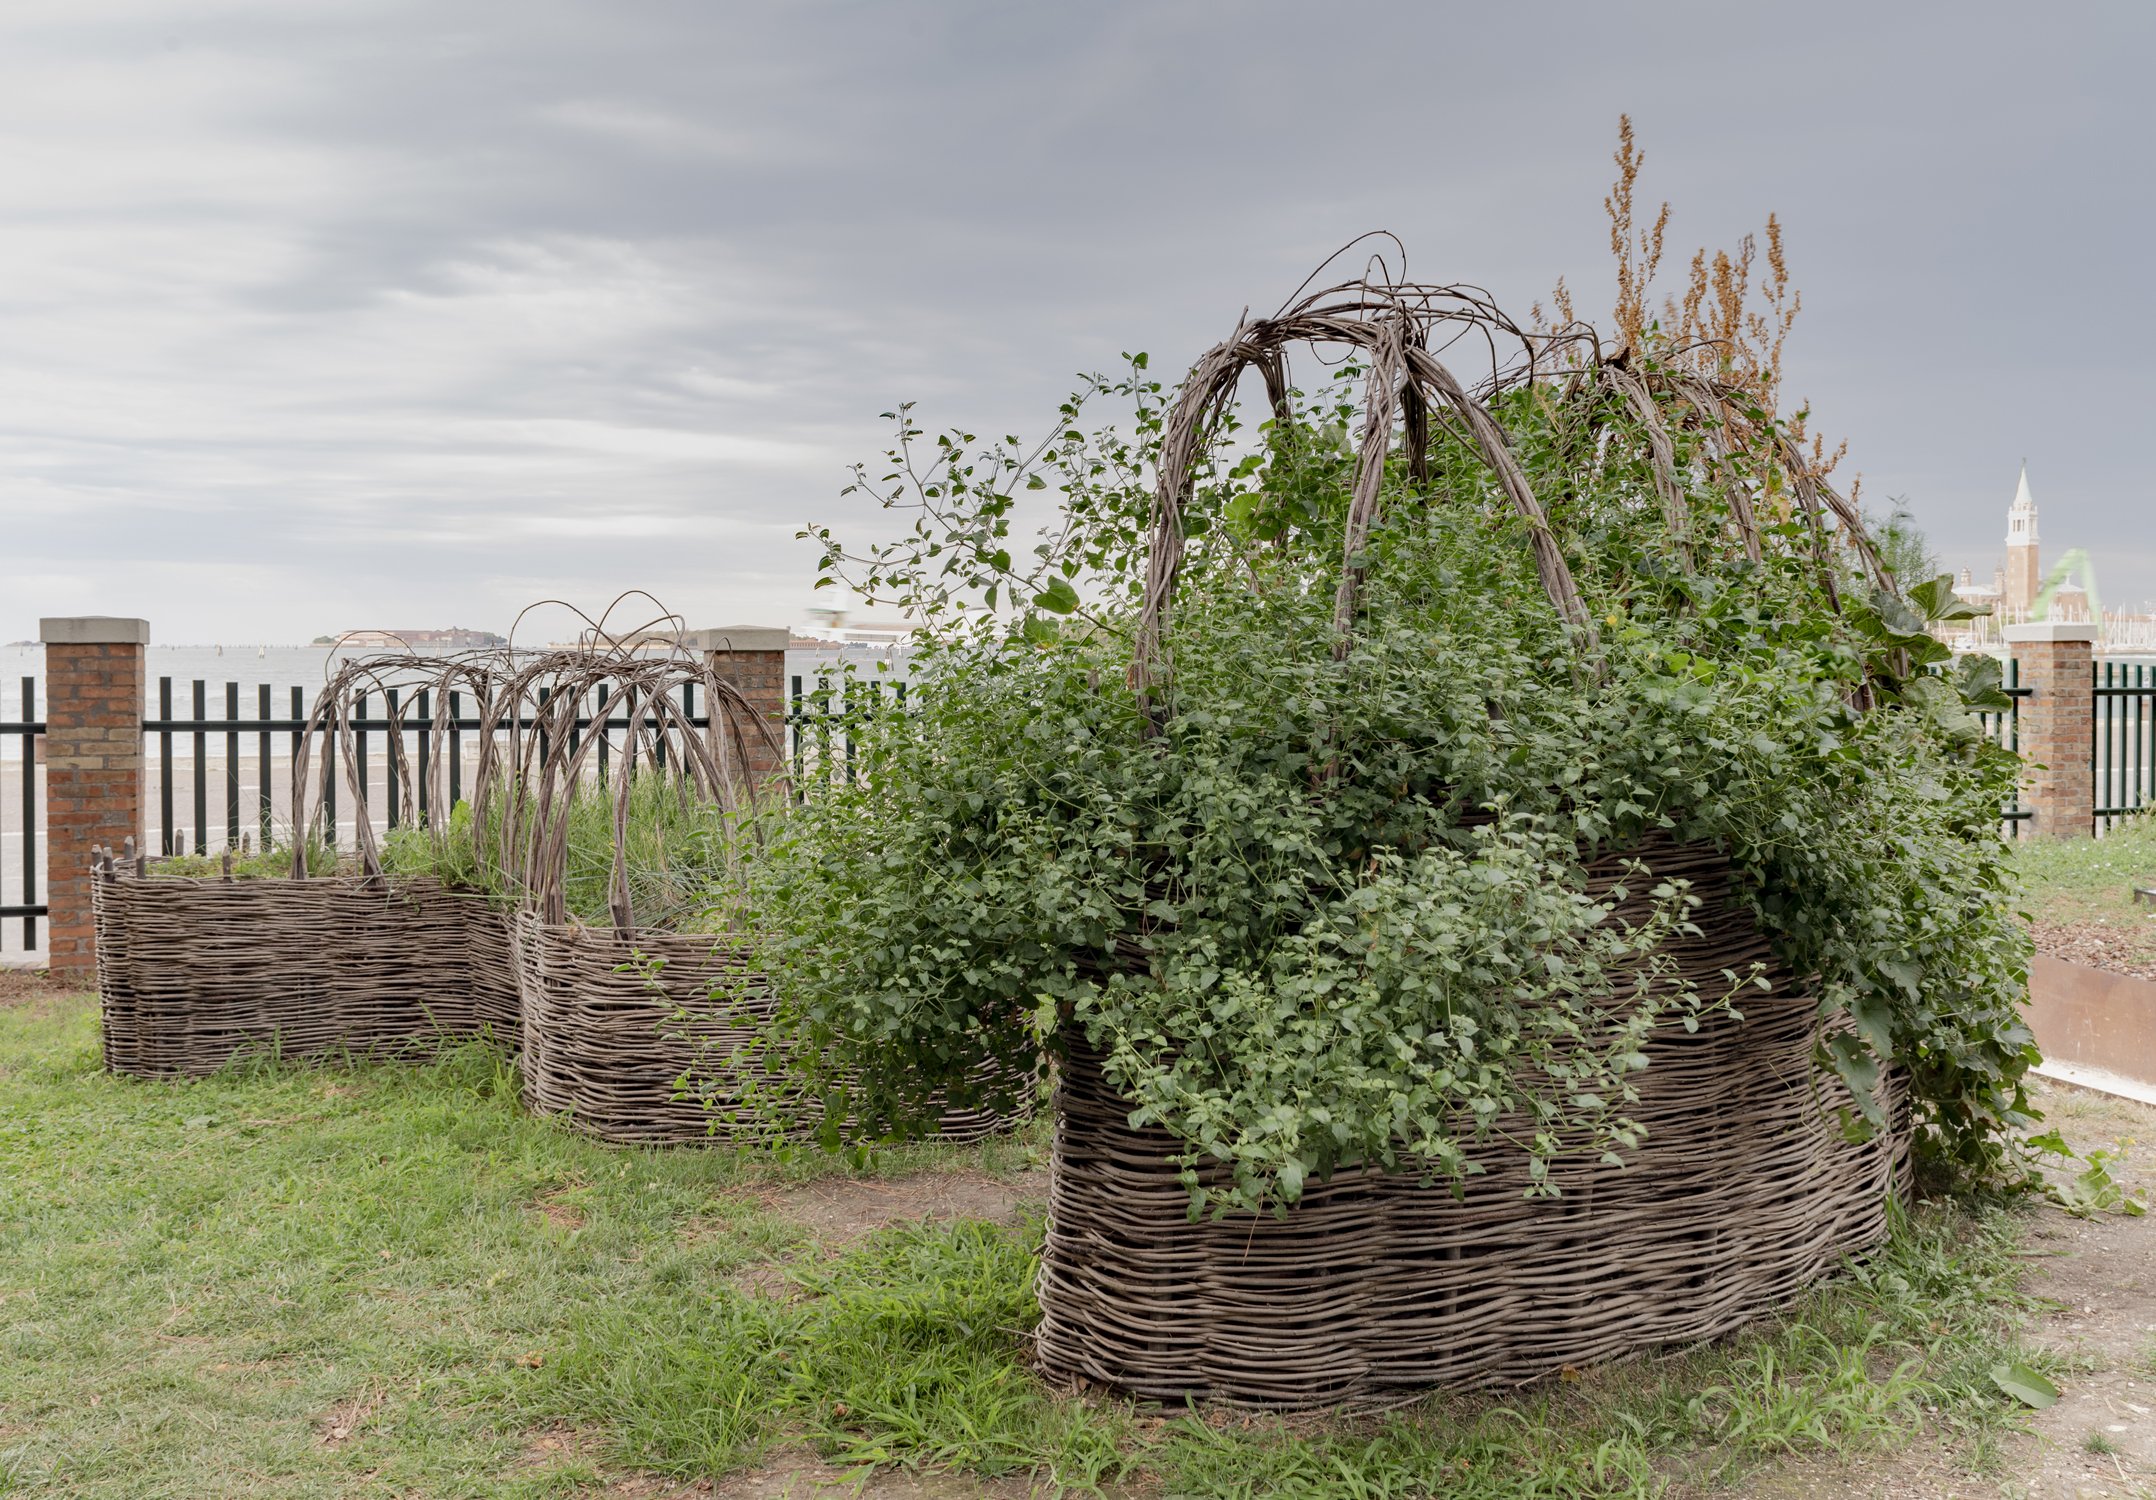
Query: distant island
455	638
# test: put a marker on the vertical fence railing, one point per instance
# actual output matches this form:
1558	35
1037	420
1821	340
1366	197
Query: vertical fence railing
2122	741
24	730
821	743
207	805
2004	726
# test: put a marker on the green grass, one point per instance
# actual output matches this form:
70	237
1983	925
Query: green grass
202	1283
2092	880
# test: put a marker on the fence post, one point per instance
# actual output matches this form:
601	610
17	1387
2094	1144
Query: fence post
753	659
93	769
2058	725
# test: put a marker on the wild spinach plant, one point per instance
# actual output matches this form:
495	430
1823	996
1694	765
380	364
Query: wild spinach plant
1327	905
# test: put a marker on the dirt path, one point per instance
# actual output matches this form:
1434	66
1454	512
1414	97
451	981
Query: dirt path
2099	1441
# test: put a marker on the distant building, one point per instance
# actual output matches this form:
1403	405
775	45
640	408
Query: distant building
456	638
2014	590
2024	572
2016	587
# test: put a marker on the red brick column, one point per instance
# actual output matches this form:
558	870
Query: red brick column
93	769
2058	725
753	659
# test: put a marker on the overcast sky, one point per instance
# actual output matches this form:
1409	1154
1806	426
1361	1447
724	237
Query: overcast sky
325	315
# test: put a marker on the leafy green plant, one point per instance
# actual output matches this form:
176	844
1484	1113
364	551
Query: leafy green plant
272	861
679	853
2091	1190
1331	906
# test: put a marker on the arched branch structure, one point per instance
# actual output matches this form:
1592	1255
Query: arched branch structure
1393	330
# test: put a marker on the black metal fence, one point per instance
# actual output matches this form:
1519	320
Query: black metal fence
206	802
820	723
24	905
227	774
2005	727
2122	741
222	764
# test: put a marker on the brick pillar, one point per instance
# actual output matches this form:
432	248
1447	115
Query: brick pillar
93	769
2058	725
753	659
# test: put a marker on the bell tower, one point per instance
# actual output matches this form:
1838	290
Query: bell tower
2024	574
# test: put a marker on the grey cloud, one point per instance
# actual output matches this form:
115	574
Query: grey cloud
320	315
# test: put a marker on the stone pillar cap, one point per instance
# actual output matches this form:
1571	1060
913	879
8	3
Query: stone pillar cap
739	638
93	630
2051	630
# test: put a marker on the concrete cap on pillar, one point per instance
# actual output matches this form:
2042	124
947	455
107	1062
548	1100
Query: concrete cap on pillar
93	630
2051	630
738	638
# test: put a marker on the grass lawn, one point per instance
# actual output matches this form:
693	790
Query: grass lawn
386	1280
2081	895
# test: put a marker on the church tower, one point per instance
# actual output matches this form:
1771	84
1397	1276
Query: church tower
2024	577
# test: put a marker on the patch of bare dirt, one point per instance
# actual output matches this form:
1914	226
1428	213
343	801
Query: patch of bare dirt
767	1279
342	1422
2099	1441
1920	1473
650	1487
546	1447
844	1209
2121	948
554	1207
19	986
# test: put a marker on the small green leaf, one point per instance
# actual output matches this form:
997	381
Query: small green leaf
2024	1385
1058	598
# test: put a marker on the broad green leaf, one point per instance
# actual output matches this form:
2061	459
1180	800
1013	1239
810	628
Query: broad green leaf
1058	598
2024	1385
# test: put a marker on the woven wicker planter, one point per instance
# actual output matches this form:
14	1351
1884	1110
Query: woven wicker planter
613	1026
1744	1191
193	974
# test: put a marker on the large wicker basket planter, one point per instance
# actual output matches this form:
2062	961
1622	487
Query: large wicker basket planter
195	973
652	1037
1745	1191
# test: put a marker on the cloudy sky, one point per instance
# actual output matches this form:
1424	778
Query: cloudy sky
360	312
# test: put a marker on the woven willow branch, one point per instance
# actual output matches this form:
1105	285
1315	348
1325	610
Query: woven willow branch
1392	327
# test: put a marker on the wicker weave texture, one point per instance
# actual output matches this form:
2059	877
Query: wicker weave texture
1744	1191
651	1037
193	974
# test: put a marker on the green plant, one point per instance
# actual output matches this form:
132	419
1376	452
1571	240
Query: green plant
680	855
1330	906
449	853
272	861
2091	1190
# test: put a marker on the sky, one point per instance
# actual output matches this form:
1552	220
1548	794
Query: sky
368	313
